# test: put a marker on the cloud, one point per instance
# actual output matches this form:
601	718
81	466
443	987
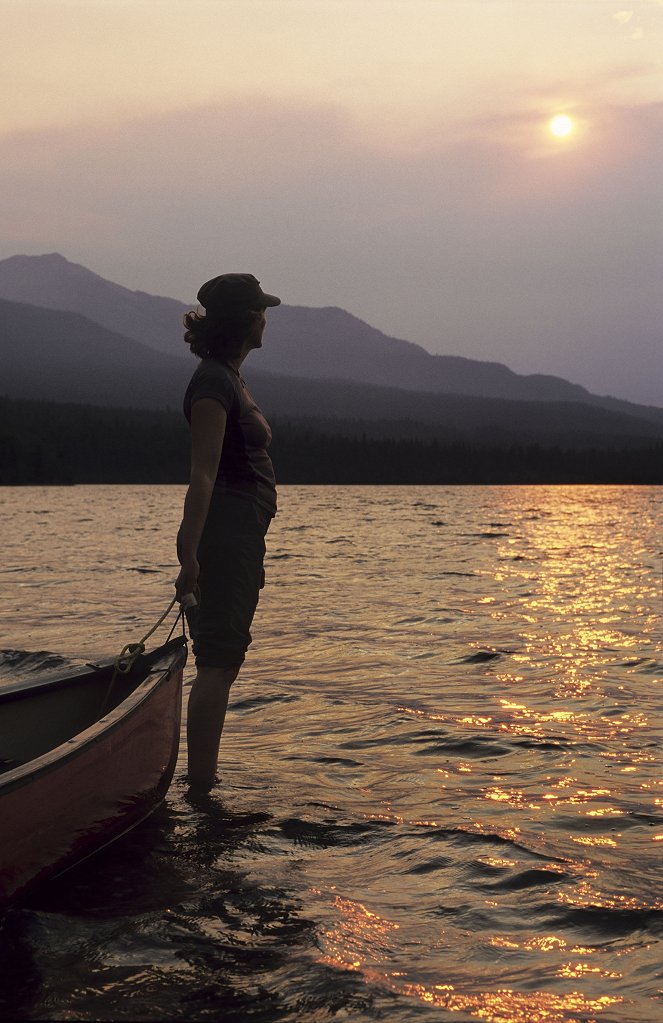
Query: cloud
470	239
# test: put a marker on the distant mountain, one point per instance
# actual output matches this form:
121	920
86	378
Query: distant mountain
53	282
343	407
331	343
61	356
52	355
327	343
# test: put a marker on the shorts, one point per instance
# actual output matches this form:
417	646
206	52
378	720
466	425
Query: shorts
231	555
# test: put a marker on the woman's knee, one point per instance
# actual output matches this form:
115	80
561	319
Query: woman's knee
213	680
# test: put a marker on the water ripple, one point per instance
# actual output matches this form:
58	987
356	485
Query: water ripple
440	791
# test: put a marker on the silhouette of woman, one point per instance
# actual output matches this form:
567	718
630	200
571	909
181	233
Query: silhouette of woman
229	505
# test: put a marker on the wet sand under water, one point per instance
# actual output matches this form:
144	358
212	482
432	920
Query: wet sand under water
441	789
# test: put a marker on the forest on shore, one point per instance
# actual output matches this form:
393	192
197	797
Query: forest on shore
48	443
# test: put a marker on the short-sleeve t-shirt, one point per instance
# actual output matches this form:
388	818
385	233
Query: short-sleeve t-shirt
245	468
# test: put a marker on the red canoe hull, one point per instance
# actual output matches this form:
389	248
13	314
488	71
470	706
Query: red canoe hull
72	801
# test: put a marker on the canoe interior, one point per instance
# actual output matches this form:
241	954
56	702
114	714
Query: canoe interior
39	715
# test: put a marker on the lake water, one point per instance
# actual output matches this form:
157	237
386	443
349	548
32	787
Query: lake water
442	789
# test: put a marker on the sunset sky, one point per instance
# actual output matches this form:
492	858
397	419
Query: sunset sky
393	157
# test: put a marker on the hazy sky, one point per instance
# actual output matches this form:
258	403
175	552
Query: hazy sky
393	157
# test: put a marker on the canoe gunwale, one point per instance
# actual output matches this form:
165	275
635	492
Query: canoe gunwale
26	688
158	665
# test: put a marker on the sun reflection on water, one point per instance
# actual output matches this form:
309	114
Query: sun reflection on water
582	969
585	895
360	942
360	936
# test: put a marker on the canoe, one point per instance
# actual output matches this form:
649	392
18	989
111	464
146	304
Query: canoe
79	765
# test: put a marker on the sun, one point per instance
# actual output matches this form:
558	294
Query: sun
561	125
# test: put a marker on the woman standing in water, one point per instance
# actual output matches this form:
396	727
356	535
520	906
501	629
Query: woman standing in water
229	504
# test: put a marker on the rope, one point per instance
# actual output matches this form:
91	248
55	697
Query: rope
181	618
124	661
127	657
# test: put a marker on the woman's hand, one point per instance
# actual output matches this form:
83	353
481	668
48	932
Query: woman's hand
187	580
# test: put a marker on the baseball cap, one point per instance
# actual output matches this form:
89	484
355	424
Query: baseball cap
234	291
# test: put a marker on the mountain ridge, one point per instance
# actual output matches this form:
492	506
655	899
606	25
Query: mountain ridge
54	355
313	343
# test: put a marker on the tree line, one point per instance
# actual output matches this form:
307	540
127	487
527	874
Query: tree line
50	443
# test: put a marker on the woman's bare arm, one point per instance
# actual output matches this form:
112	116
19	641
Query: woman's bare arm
208	427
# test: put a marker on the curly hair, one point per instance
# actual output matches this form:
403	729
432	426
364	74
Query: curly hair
220	336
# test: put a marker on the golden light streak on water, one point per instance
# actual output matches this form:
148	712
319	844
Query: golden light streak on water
586	896
544	943
501	1006
582	969
547	943
595	840
360	936
496	861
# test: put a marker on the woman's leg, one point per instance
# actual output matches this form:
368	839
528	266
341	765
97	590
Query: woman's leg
206	714
231	554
